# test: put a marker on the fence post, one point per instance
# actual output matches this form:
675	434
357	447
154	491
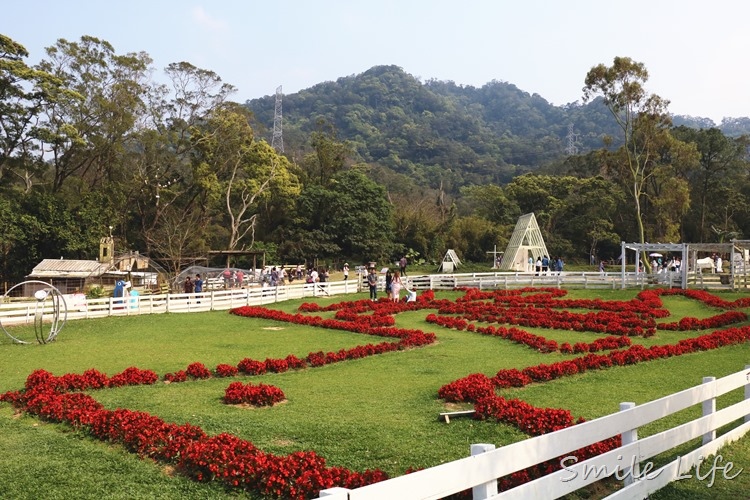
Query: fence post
628	437
709	407
335	493
486	490
747	390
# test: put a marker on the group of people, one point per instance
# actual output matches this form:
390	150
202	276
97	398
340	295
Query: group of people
315	276
275	277
659	265
393	286
193	285
545	266
278	275
233	278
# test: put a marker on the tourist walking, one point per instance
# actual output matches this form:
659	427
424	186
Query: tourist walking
402	265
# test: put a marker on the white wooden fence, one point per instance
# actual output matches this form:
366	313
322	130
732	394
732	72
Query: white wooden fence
21	312
509	280
481	470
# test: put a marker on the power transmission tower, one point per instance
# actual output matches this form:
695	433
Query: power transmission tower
572	137
277	142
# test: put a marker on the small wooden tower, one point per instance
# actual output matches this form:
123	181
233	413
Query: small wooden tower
107	249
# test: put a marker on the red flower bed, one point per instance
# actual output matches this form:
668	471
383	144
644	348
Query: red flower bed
688	323
178	376
198	370
133	376
632	355
255	395
224	370
224	457
537	342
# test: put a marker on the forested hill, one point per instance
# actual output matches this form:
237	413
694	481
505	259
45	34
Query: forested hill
433	129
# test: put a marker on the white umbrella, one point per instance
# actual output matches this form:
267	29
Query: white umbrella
655	255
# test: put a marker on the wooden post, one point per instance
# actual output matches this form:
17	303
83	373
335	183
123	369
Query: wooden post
709	407
747	390
489	489
628	437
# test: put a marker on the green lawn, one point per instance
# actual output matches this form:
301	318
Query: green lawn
376	412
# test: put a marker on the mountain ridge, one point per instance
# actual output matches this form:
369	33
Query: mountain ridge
437	129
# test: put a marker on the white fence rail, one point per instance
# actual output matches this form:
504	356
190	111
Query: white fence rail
22	312
480	471
509	280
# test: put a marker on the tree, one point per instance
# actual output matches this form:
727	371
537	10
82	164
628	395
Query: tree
416	223
638	115
177	238
721	167
163	178
243	173
24	93
87	133
350	219
575	215
491	203
644	122
329	155
471	237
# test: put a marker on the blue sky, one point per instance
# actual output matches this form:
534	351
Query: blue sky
695	51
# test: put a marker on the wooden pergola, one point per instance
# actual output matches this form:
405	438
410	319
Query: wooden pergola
736	249
649	248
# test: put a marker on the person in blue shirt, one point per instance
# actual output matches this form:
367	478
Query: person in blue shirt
198	285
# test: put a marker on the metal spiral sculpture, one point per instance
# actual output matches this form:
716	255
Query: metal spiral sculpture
58	312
